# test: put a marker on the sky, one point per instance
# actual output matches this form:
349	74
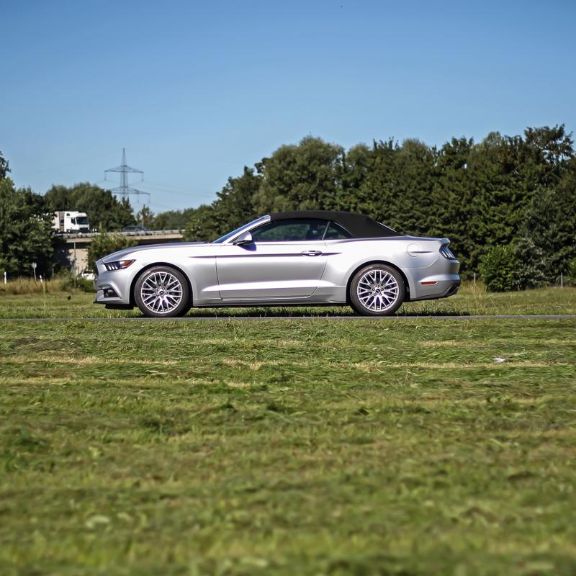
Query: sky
196	90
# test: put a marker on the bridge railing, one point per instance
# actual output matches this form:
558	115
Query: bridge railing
138	233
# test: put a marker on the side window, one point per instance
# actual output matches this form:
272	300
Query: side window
295	230
336	232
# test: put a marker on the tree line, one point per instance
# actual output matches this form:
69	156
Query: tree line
508	203
26	234
513	194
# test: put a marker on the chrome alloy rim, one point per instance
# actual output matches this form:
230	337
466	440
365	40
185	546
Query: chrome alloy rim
161	292
377	290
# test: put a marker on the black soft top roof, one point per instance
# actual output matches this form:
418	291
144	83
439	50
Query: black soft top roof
358	225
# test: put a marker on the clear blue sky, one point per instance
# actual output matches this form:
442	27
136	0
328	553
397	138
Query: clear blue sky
196	90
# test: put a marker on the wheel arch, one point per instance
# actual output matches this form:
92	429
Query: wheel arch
386	263
153	265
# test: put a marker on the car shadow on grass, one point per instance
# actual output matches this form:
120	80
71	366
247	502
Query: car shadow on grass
239	313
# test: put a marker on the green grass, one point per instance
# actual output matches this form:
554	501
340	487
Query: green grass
288	446
471	300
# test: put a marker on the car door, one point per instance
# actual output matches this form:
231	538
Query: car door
285	261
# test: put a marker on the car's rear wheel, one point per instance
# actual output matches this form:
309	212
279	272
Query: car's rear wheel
163	292
377	290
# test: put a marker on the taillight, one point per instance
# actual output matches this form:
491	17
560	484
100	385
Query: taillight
446	252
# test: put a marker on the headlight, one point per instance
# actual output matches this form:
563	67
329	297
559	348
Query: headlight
118	265
446	252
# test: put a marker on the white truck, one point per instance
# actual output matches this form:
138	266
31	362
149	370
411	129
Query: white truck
70	221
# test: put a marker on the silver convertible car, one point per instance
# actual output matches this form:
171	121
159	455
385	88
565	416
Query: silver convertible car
289	258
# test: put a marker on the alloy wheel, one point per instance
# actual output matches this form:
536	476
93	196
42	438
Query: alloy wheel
377	290
162	291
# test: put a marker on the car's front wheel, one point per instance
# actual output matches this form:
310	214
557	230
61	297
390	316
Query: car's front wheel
377	290
162	292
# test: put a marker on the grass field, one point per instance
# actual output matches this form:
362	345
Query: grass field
292	446
471	300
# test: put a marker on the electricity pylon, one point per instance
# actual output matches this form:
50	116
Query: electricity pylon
124	189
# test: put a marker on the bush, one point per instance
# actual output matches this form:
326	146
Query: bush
498	267
69	281
106	244
515	266
572	272
531	272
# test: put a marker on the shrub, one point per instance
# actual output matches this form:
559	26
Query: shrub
69	281
572	272
497	268
532	265
515	266
106	244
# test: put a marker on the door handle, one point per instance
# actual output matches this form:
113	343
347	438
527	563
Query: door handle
312	253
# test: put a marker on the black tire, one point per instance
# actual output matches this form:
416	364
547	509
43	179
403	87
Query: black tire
162	292
377	290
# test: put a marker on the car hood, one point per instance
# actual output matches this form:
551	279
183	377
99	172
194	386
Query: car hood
171	246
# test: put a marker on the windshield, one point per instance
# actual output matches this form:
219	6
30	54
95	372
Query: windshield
81	220
237	231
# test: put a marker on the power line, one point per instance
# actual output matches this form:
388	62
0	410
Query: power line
124	189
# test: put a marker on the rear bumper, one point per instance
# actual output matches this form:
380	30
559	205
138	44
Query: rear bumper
436	287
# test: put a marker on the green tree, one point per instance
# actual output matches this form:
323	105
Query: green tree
413	208
453	194
374	175
551	223
105	211
355	170
4	169
503	176
550	146
505	190
393	183
25	231
145	217
532	263
572	272
171	219
235	202
497	202
202	224
301	177
106	243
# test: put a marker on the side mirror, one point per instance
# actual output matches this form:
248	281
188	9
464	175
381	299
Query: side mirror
244	239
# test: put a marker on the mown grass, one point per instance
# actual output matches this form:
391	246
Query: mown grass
411	446
471	300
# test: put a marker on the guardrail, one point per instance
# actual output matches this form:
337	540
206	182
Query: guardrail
73	235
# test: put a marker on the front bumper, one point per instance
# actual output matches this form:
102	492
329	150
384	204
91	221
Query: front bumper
113	288
112	302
